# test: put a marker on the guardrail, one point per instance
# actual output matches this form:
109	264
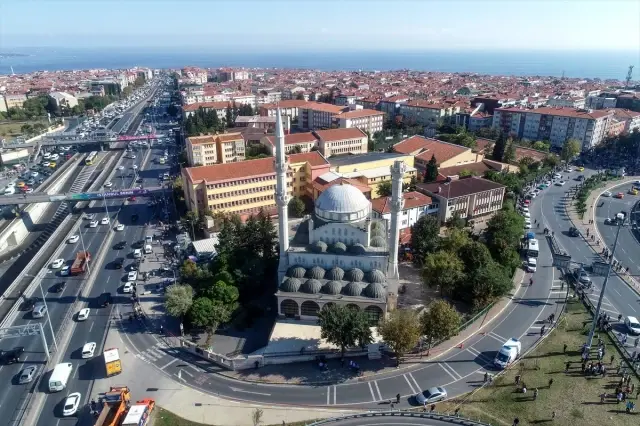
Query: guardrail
408	414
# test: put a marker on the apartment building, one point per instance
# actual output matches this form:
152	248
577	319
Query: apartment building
219	107
554	124
445	153
470	198
289	108
195	75
566	102
317	115
426	113
630	119
268	97
262	122
367	120
223	148
231	147
247	187
415	206
63	99
15	100
345	100
600	102
304	141
342	141
391	106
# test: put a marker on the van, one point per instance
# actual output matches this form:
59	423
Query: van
60	377
508	353
137	254
39	310
148	249
148	239
532	264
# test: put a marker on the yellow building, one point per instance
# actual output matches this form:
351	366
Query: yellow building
212	149
371	169
446	154
246	187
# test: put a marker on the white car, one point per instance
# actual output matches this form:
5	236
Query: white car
134	167
88	350
108	184
71	404
57	264
606	194
93	224
560	183
83	314
120	227
29	191
133	276
46	164
128	287
65	271
34	174
104	221
73	239
120	168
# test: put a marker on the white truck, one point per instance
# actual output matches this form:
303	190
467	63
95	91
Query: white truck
60	377
508	353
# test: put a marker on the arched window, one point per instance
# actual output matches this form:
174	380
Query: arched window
353	306
374	313
310	308
328	305
289	308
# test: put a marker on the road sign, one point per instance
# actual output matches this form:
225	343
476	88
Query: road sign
561	261
600	268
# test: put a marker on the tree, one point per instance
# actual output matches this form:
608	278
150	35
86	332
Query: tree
296	149
26	129
256	416
443	270
466	173
510	153
425	236
456	221
189	221
411	186
172	110
499	147
189	271
570	149
344	327
224	293
439	323
209	313
454	240
300	96
550	161
385	189
245	110
401	330
431	171
178	300
541	146
296	207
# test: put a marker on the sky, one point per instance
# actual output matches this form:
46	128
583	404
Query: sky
328	25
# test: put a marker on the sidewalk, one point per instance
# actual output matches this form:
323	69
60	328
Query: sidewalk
583	224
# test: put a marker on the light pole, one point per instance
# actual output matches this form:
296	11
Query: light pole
46	308
104	199
620	217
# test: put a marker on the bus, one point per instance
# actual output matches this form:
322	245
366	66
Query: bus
91	158
532	248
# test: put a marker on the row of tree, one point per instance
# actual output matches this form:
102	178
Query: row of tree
207	121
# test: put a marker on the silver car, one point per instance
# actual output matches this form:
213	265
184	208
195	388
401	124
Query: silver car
27	375
434	394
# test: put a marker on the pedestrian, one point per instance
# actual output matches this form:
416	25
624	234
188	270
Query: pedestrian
564	348
433	407
457	412
553	415
542	330
535	394
398	399
636	342
566	369
550	382
602	397
613	357
486	377
516	421
518	379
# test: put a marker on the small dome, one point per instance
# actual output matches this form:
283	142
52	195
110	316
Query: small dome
312	286
317	273
335	273
297	272
357	249
378	242
375	291
291	285
352	289
377	233
376	276
355	274
339	248
332	287
319	247
377	226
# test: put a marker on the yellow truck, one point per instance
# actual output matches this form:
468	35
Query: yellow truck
112	362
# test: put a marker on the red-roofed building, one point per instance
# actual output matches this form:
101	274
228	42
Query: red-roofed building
288	107
317	115
305	141
446	154
342	141
219	107
415	206
367	120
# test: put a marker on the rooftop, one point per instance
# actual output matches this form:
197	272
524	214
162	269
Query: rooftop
340	134
359	113
458	188
560	111
231	171
412	200
347	160
210	105
294	138
424	148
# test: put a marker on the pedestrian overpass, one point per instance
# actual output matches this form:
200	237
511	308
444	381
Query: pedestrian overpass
76	140
8	200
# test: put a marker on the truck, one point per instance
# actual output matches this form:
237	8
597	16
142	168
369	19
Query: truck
139	413
114	406
508	353
112	362
79	265
60	377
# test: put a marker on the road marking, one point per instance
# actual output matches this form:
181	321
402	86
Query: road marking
617	292
186	372
108	278
496	336
328	395
91	326
375	383
409	383
446	367
415	382
168	364
335	392
477	353
632	308
373	396
615	313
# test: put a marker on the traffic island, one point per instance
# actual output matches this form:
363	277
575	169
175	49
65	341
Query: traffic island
162	417
565	394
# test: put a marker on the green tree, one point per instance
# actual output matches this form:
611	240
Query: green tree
172	110
550	161
431	171
425	237
26	129
510	153
443	270
570	149
454	240
456	221
344	327
300	96
224	293
385	189
440	322
499	147
401	330
296	149
541	146
246	110
209	313
296	207
228	116
178	300
488	282
189	221
189	271
466	173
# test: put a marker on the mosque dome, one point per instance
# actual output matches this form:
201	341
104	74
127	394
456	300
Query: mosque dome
332	287
339	248
355	274
376	276
357	249
335	274
377	225
378	242
297	272
375	291
311	286
291	285
342	203
316	273
353	289
319	247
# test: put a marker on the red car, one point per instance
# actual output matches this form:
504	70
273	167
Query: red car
619	195
132	198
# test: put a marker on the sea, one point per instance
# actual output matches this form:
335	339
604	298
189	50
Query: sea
572	64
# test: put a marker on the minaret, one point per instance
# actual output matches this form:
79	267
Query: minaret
397	202
282	197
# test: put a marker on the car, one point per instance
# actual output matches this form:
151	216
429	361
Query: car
104	221
527	225
73	239
118	263
88	350
27	375
120	168
104	299
29	191
134	167
83	314
431	395
633	191
57	264
132	199
34	174
619	195
29	303
52	165
46	164
120	227
580	169
90	216
58	287
606	194
121	245
11	356
557	176
128	287
560	183
583	277
71	404
132	276
573	232
108	184
93	224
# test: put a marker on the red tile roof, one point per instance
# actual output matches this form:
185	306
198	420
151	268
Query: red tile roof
320	106
340	134
294	138
210	105
559	111
459	188
231	171
411	200
314	158
424	148
359	113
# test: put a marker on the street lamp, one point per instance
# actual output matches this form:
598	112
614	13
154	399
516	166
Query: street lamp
620	218
46	308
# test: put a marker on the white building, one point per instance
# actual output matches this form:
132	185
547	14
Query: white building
367	120
317	115
342	141
566	102
63	99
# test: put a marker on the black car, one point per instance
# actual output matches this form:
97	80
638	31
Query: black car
573	232
12	356
121	245
58	287
118	263
29	303
104	300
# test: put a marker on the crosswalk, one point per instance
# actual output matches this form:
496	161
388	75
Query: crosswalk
153	353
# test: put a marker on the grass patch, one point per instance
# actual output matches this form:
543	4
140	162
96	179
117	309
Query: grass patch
12	128
574	397
162	417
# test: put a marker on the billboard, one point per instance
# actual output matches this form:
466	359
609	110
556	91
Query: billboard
87	196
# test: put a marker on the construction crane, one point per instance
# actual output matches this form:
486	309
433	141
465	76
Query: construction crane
628	79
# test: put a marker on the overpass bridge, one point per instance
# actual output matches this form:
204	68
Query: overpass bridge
76	140
34	198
